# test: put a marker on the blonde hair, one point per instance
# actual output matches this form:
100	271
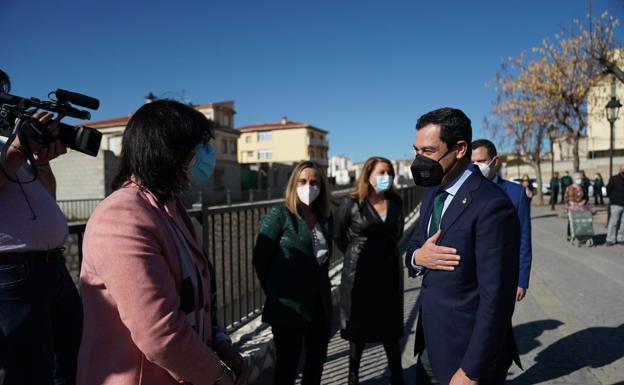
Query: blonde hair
363	188
321	205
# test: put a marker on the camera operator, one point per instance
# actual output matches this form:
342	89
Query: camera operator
40	310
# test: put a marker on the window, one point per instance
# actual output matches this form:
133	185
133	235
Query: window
249	154
248	138
224	146
233	147
264	154
264	136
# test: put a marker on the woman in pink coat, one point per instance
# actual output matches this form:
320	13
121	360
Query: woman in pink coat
150	314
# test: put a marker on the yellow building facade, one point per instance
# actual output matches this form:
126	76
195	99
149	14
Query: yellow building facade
284	142
598	128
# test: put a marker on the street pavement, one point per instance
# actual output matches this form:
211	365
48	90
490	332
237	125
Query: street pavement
569	328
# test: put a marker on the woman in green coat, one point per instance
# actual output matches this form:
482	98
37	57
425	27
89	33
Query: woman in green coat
291	258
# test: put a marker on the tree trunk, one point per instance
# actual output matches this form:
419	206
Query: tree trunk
576	161
540	195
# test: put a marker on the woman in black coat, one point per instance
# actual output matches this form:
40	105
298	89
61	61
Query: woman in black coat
367	229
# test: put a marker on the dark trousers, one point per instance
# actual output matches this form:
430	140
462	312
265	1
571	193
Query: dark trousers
598	195
554	195
424	373
288	345
563	195
40	322
393	354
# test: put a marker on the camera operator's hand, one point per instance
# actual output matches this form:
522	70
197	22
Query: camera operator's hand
16	155
43	154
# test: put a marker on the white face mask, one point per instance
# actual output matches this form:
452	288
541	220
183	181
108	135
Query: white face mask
307	193
486	170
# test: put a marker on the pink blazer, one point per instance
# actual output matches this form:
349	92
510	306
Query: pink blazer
134	330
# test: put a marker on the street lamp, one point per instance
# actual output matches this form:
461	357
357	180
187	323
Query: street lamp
552	133
612	109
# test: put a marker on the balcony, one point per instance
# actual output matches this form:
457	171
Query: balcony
318	142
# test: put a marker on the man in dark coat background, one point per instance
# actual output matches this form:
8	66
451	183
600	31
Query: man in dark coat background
468	231
485	156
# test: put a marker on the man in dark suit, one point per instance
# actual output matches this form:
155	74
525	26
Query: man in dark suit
485	156
466	245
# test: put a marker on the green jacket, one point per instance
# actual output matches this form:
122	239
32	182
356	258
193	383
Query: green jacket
296	286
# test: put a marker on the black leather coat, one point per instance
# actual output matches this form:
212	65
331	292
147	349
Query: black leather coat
371	290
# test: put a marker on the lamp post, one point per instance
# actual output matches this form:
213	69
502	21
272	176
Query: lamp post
552	132
612	109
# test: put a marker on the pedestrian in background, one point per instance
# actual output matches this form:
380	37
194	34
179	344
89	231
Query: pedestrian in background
368	226
615	192
528	187
147	288
575	198
291	259
598	184
575	194
566	181
554	190
585	183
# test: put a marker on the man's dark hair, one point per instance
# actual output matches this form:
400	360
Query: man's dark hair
491	148
454	126
156	142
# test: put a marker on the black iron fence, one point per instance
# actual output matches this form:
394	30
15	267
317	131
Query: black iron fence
228	234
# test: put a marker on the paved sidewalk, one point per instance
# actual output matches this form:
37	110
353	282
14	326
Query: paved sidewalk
569	328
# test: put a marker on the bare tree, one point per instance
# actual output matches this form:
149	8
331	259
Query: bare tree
561	76
523	116
602	46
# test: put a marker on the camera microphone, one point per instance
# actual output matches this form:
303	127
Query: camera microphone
76	98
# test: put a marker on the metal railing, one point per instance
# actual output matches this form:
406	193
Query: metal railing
228	234
78	209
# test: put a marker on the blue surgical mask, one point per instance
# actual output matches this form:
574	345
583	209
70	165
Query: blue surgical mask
203	163
383	183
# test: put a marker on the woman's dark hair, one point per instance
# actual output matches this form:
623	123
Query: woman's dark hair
156	142
454	126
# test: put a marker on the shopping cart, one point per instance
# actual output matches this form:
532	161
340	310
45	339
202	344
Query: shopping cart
581	227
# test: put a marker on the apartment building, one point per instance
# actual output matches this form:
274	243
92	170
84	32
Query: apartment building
283	142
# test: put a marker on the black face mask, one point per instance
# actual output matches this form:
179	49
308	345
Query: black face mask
428	172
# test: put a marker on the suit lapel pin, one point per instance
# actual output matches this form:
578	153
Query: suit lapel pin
464	201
